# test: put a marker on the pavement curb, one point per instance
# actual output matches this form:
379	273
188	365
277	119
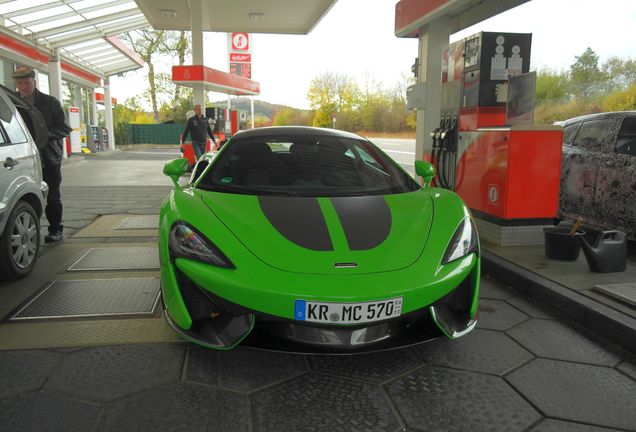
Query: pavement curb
602	320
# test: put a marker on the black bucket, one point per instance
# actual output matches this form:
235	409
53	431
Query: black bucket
560	245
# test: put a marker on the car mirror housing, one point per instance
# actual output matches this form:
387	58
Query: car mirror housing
175	169
426	170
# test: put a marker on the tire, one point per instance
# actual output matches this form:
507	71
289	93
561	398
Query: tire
20	242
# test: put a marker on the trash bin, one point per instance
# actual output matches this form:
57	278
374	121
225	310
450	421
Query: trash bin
560	245
608	254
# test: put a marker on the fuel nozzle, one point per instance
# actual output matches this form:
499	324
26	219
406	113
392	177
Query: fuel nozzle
443	124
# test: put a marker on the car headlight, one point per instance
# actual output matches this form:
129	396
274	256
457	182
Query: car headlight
464	242
187	242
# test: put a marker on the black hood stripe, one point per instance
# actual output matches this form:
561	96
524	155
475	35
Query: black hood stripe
299	220
366	220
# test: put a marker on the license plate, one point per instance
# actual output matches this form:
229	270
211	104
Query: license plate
347	313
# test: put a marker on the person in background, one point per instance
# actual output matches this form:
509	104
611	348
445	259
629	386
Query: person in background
51	156
198	127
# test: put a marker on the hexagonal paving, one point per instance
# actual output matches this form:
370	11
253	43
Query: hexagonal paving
492	289
530	307
317	402
584	393
246	369
202	365
556	340
178	407
107	373
480	351
563	426
438	399
628	366
42	411
23	371
376	367
498	315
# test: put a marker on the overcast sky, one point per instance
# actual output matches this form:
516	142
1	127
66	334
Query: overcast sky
357	38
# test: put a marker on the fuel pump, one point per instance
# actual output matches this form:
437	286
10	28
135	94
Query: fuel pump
506	169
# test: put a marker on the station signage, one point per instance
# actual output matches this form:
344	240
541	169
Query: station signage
240	55
240	58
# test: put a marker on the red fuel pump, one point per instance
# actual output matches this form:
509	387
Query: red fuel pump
505	168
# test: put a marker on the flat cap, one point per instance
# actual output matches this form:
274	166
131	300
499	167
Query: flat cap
23	72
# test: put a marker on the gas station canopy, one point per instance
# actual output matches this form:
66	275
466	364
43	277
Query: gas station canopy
413	15
83	31
250	16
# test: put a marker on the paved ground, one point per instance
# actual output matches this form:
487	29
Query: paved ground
525	368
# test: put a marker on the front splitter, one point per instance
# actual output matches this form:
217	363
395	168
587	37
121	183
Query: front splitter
293	337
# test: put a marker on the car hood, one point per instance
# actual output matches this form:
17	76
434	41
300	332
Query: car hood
340	235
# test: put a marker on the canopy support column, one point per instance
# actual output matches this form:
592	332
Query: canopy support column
55	80
108	115
196	14
432	39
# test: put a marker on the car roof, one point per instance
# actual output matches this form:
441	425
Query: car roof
294	130
596	116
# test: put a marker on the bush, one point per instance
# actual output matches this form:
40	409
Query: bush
121	133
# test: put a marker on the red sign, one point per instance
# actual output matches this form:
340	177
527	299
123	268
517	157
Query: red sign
241	58
240	42
73	109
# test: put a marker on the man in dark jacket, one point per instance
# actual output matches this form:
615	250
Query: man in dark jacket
198	127
51	156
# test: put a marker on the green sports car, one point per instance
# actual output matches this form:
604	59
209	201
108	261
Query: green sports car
314	240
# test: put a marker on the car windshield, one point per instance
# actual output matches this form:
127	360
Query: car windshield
305	166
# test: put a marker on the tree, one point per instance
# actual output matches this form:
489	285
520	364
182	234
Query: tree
585	74
329	94
551	85
620	74
178	45
147	43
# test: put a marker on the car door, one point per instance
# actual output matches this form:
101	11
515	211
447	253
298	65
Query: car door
8	157
580	168
616	185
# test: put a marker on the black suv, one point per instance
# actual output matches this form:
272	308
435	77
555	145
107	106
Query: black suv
598	171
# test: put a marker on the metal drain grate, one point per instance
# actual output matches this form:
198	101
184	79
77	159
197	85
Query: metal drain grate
139	222
624	292
118	258
95	297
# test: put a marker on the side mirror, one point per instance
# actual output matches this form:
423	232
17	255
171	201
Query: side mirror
426	170
175	169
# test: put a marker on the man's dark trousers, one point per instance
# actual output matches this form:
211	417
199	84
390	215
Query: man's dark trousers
199	149
52	175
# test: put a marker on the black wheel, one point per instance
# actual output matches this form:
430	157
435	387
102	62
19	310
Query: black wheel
20	242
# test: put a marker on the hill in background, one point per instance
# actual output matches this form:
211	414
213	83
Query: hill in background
262	109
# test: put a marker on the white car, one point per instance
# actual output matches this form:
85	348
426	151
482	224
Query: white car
22	191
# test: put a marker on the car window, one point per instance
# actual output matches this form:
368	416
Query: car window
305	165
626	140
569	132
11	126
592	133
